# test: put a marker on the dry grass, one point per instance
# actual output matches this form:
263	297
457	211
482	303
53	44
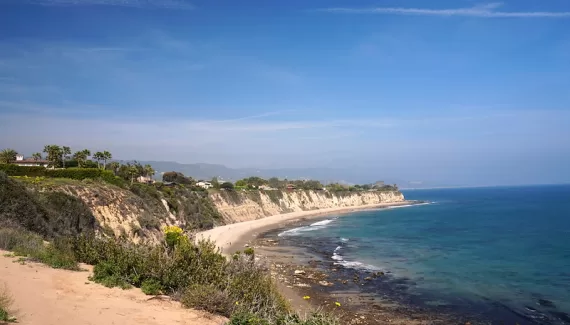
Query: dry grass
6	301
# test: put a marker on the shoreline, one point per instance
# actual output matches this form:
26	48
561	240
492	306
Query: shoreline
233	237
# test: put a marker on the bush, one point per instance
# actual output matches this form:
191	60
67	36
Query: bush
289	319
57	254
71	173
151	287
208	298
50	214
227	186
15	170
6	302
247	319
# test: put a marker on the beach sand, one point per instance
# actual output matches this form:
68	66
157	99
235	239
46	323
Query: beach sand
234	237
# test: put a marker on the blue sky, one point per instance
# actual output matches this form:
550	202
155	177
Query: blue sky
461	92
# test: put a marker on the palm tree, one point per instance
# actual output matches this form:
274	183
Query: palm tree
114	166
65	152
133	171
8	156
148	171
37	156
98	156
54	154
106	156
81	156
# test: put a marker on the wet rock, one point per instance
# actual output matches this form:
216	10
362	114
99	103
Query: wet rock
562	316
326	283
546	303
302	285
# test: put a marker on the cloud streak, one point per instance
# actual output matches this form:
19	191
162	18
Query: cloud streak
164	4
483	11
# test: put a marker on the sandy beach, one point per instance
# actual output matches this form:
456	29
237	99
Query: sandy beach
233	237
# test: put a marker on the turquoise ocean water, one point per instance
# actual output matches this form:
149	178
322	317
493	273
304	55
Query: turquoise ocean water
501	253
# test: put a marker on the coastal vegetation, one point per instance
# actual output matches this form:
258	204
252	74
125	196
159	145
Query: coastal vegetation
6	302
193	272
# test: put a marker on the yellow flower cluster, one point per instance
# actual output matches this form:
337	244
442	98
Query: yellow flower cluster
173	230
306	297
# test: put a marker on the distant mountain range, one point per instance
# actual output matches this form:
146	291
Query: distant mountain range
325	175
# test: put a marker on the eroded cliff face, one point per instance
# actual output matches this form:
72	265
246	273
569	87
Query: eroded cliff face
140	212
244	206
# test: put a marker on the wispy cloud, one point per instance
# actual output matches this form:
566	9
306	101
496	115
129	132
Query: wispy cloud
166	4
482	11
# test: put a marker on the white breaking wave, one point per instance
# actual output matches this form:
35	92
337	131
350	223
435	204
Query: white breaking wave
322	223
409	205
339	260
311	227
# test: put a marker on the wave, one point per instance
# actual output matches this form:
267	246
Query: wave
322	223
314	226
409	205
339	260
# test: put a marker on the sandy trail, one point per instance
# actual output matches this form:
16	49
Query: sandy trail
46	296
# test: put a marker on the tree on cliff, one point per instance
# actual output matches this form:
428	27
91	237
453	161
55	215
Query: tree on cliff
227	186
54	154
148	171
215	182
176	177
81	157
65	152
106	156
8	156
99	156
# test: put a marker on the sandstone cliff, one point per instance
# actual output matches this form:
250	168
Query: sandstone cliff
140	212
243	206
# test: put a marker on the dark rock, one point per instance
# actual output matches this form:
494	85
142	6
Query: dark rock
546	303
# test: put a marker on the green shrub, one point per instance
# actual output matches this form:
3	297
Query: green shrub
247	319
6	302
50	214
287	319
148	221
208	298
71	173
22	243
151	287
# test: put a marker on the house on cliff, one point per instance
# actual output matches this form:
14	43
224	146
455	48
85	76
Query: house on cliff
30	162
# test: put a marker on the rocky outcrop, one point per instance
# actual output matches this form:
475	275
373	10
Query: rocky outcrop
244	206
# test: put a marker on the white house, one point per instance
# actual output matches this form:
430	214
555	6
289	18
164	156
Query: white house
145	179
30	162
205	185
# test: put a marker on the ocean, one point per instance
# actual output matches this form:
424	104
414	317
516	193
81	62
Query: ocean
500	254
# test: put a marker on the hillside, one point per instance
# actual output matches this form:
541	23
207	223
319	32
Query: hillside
55	207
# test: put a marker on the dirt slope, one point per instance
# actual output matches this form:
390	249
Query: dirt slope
45	296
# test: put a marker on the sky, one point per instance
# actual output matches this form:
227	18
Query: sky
444	91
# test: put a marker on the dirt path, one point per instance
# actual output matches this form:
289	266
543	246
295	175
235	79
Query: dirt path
45	296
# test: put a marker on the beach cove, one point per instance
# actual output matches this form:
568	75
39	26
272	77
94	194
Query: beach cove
436	261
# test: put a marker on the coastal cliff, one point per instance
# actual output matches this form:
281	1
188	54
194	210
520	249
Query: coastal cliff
244	206
139	212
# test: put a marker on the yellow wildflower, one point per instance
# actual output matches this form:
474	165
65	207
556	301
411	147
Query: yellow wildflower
306	297
237	303
337	304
